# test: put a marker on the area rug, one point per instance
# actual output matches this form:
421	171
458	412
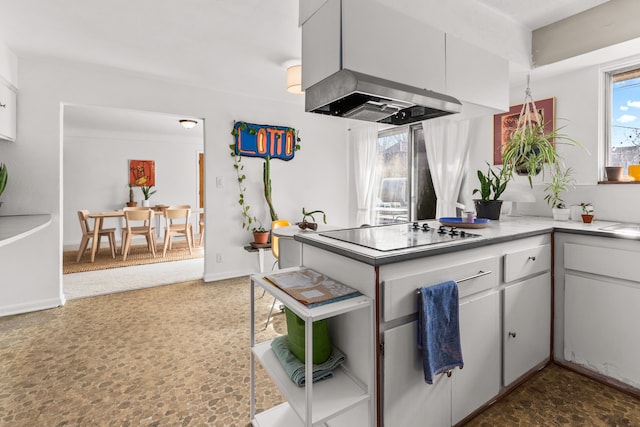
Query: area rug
138	255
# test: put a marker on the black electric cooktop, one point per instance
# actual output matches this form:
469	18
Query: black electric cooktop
398	236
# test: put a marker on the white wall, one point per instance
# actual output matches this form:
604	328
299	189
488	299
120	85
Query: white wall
314	179
96	173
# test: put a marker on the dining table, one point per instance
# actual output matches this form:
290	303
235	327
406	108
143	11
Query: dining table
98	219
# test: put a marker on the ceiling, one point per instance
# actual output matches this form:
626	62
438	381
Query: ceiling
539	13
217	44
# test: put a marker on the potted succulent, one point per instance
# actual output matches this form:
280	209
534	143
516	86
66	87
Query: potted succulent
147	192
587	212
561	180
492	185
4	176
311	225
131	203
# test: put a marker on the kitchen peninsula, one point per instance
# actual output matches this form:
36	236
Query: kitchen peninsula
505	283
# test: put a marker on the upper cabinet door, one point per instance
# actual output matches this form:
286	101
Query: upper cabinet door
477	76
385	43
321	44
366	36
7	113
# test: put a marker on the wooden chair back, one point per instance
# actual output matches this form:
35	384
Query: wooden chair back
177	222
131	216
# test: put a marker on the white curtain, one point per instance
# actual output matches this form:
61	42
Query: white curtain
447	145
364	152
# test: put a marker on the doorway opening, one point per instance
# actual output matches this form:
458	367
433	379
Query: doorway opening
98	143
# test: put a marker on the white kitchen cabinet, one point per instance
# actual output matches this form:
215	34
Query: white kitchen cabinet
526	338
527	326
333	401
601	301
363	36
8	114
409	401
475	75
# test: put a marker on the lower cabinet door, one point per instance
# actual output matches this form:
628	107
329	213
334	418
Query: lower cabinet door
408	400
527	326
601	326
479	381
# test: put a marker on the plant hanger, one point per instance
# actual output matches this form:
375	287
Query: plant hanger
528	110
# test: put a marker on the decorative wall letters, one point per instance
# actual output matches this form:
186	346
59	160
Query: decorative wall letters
276	142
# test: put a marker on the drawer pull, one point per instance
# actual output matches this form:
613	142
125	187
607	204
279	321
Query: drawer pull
475	276
512	334
532	258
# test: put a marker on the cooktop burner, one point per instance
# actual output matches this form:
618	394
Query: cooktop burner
398	236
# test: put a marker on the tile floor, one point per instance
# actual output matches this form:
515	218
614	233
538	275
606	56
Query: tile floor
178	355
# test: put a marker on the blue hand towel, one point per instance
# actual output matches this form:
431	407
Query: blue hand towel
438	329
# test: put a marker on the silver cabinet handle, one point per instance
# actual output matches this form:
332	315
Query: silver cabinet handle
532	258
512	334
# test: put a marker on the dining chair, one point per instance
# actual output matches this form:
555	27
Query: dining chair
87	234
183	207
275	250
201	229
177	222
133	216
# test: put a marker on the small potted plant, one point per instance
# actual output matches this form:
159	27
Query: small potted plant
587	212
4	176
492	185
131	203
260	234
561	180
311	225
147	192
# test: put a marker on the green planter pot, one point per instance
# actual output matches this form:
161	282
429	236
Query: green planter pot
489	209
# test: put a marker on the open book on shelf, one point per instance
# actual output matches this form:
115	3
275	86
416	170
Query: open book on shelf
310	287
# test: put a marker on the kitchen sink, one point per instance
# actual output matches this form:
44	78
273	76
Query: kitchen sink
623	228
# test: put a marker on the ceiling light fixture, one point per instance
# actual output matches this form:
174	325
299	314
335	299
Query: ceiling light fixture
188	123
294	79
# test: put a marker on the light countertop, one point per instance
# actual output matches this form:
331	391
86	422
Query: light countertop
506	229
16	227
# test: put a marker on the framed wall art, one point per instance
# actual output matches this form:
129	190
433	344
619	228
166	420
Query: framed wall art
142	173
506	123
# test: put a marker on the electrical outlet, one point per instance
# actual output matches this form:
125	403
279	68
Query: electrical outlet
219	258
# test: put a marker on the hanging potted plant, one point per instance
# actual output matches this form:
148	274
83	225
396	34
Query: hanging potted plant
147	193
492	185
561	180
530	147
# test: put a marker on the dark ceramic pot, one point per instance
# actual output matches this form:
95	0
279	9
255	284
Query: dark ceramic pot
489	209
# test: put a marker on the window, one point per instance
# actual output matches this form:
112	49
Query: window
623	148
405	190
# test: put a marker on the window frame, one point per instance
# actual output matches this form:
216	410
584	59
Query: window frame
606	111
412	164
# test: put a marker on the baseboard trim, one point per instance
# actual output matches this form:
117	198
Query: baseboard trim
603	379
31	306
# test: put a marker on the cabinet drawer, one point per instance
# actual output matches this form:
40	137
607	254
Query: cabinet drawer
399	295
610	262
526	262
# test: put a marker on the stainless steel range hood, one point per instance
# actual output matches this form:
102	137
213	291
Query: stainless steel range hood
360	96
